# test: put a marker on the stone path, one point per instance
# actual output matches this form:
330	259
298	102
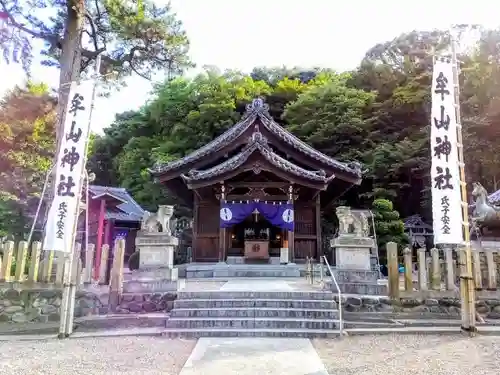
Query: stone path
256	286
250	356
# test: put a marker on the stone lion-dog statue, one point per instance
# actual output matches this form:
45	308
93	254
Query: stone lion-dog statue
151	223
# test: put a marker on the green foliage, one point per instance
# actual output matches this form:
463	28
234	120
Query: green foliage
132	37
388	226
27	118
330	118
377	114
13	266
133	261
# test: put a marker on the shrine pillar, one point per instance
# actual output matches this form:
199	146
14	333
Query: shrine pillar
100	236
290	236
222	231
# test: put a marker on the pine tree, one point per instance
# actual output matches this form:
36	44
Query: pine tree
388	226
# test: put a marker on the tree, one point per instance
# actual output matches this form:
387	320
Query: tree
388	226
378	114
27	117
330	117
140	38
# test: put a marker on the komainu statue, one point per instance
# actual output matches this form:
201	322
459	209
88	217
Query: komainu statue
158	222
485	213
352	222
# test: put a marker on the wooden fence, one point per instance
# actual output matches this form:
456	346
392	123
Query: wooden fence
437	273
22	264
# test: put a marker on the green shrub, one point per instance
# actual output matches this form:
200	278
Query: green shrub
388	226
133	261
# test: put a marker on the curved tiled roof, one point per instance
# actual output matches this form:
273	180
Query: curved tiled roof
494	197
257	143
258	109
130	209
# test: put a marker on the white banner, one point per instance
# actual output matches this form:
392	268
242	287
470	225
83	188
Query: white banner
445	173
62	216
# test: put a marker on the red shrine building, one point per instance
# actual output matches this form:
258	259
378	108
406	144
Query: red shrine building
257	160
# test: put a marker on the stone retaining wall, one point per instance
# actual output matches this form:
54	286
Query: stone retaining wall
41	304
487	308
146	303
23	305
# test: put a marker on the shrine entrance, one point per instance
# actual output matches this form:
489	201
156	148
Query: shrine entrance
256	239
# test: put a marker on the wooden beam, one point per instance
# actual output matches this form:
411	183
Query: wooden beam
319	244
272	198
263	184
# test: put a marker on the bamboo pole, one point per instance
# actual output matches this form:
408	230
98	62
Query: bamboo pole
467	293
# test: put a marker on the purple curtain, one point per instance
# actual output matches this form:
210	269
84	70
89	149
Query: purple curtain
280	215
234	213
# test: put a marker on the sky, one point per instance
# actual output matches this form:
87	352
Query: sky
245	34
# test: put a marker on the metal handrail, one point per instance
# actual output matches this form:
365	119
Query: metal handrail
339	294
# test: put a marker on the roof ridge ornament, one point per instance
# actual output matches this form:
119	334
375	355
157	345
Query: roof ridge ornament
257	136
257	107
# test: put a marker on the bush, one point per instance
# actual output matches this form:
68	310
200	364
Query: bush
13	266
133	261
388	226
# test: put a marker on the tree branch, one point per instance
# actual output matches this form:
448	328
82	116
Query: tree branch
54	40
92	35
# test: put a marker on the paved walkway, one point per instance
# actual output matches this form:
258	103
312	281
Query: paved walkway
250	356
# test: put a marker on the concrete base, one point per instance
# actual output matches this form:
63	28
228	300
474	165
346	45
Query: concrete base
367	289
355	281
152	280
254	356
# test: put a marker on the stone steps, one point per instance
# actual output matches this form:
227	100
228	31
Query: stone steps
254	303
253	323
250	332
280	295
255	312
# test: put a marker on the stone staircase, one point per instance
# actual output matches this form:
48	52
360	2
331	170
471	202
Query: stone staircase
253	314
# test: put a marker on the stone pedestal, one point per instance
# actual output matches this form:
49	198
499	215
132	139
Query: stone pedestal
352	252
284	255
353	247
156	271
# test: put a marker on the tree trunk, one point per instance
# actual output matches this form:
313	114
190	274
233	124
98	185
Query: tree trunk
70	60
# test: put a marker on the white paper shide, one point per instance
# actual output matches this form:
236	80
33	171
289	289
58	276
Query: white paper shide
69	169
445	173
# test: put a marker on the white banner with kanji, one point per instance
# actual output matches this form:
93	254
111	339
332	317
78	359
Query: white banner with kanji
445	172
62	218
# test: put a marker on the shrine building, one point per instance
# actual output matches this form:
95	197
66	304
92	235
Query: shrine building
256	190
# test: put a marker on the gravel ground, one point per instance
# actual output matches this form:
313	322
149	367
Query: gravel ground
410	355
120	355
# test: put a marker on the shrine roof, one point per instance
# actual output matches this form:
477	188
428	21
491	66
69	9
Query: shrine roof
257	110
494	197
257	143
127	208
416	221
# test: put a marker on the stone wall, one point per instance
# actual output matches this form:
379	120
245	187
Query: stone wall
486	307
41	303
146	303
